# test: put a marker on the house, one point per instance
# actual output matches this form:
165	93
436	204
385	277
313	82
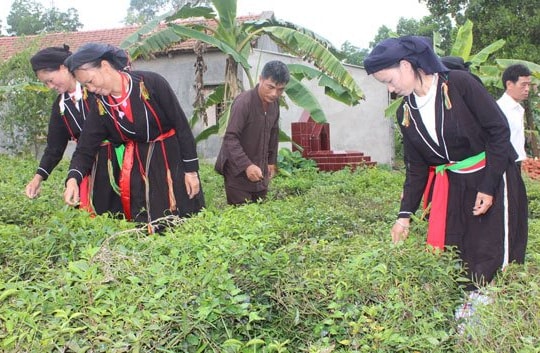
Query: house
361	128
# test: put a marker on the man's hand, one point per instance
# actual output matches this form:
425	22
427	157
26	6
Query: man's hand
254	173
272	170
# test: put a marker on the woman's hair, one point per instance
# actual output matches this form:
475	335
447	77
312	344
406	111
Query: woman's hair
92	54
50	59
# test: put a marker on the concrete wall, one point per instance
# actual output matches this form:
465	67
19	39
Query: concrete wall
179	70
361	128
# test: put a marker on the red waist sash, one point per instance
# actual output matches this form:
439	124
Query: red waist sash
84	196
127	165
439	199
86	189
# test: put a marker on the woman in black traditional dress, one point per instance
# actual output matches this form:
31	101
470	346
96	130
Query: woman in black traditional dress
139	109
68	115
455	134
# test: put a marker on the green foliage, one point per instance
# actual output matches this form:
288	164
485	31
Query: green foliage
142	11
24	17
490	74
24	105
29	17
515	21
427	26
311	269
382	33
57	21
353	55
533	194
295	91
290	161
443	10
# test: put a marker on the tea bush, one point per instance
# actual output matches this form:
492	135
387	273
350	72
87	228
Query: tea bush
311	269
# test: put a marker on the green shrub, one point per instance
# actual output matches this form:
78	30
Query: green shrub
311	269
290	161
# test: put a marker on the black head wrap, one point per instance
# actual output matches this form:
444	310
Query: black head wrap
415	49
92	52
50	58
455	63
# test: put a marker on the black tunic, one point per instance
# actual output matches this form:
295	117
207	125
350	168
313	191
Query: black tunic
472	125
155	111
66	122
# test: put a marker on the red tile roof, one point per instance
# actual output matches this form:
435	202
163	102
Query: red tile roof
115	36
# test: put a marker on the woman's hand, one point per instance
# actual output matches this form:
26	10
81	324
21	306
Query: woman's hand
193	185
400	230
482	204
34	186
71	193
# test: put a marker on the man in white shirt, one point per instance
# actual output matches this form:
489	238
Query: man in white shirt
516	80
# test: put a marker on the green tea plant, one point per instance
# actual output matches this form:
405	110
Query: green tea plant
311	269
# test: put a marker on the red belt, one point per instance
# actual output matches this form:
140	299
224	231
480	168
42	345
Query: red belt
127	166
84	196
439	199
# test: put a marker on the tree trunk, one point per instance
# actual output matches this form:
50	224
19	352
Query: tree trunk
233	84
530	128
200	68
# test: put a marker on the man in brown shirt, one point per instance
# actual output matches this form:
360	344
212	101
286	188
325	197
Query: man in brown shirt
248	156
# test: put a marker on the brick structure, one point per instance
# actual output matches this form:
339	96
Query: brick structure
314	138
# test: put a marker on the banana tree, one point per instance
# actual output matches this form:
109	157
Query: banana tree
491	75
222	30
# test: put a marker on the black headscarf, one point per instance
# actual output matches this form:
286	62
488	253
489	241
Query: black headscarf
50	58
455	63
415	49
92	52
